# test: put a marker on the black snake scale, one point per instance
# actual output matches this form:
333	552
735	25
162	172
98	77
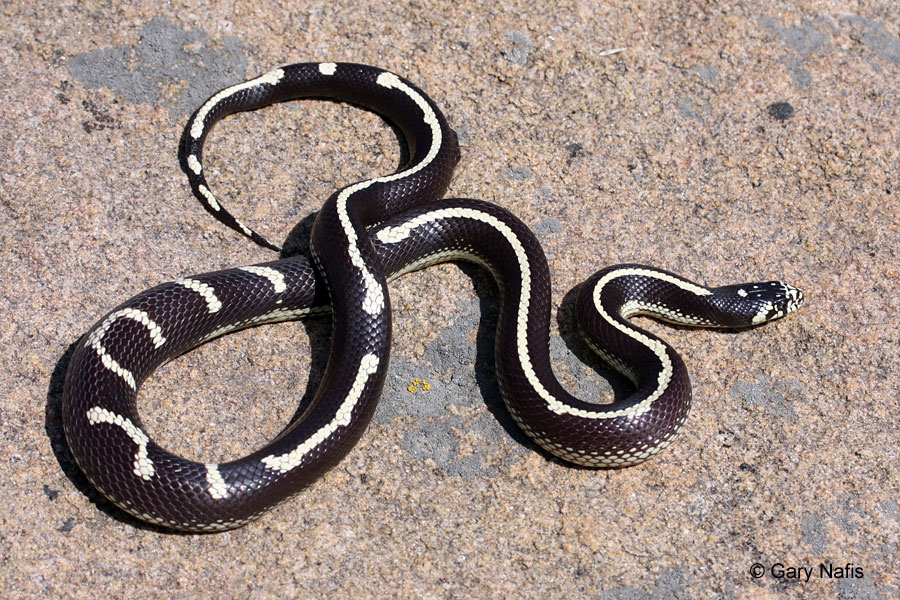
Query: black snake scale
366	234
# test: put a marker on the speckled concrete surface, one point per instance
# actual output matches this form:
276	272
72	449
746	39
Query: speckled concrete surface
665	153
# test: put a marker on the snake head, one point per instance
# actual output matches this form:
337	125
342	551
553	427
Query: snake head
760	302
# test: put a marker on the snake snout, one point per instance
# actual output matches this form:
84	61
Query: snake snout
794	298
775	300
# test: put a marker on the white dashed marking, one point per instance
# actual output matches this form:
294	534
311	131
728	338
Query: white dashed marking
209	197
275	277
194	164
143	466
218	489
213	304
247	231
95	340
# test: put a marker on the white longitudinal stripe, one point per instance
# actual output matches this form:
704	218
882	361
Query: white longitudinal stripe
143	466
327	68
274	276
218	525
557	405
374	301
270	78
95	340
658	348
285	462
275	316
397	233
436	258
204	289
634	308
218	489
210	198
554	404
614	361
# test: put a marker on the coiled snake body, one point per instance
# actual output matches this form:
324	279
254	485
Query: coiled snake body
365	235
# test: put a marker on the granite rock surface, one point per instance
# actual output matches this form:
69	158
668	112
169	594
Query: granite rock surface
727	142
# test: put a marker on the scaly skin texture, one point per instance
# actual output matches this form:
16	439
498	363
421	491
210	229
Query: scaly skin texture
366	234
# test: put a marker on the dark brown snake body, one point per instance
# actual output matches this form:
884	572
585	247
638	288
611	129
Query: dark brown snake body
366	234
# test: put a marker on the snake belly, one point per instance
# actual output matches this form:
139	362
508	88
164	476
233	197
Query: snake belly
365	235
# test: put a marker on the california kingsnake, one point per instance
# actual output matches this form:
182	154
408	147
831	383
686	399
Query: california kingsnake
366	234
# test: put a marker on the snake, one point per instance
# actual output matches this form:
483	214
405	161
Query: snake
364	236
